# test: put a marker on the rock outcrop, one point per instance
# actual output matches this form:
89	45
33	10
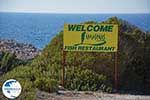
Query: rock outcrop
21	50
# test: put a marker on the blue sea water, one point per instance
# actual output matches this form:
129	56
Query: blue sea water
38	29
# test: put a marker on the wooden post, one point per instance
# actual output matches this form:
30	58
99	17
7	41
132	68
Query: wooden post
116	70
63	67
116	76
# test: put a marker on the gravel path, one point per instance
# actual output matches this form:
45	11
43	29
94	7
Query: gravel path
71	95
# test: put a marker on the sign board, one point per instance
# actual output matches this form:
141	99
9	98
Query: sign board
90	37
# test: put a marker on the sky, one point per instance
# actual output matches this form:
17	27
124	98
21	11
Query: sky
76	6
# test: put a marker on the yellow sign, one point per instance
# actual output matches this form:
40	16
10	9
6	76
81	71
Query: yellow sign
90	37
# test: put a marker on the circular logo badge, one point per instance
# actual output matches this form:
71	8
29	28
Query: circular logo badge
11	89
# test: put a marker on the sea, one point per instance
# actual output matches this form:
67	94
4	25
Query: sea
39	28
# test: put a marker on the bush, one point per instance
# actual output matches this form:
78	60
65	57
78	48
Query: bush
82	79
47	84
7	61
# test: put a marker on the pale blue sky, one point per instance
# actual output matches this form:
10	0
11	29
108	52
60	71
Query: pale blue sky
76	6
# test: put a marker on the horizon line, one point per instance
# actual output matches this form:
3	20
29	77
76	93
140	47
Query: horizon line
75	12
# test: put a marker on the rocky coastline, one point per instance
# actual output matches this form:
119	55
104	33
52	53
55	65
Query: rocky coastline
21	50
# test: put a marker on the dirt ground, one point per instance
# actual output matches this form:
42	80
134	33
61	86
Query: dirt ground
72	95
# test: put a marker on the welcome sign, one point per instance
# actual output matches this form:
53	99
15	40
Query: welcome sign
90	37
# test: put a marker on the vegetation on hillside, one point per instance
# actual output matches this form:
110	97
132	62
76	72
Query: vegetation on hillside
87	71
8	61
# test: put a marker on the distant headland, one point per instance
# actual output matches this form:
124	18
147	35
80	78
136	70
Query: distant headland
21	50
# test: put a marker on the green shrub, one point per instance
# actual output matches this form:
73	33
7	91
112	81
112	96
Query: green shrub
82	79
46	84
28	90
7	61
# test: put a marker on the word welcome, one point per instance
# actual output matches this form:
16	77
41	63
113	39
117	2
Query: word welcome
91	27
